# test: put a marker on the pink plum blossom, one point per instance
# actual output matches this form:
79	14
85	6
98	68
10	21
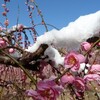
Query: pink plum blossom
67	79
46	90
79	84
85	46
95	69
73	60
49	89
92	77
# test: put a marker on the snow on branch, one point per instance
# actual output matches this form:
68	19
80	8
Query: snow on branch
69	37
72	35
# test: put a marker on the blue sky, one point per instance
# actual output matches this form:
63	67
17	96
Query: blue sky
56	12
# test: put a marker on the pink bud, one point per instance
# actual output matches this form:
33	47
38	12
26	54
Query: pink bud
85	46
99	44
6	22
4	13
20	28
11	50
2	43
0	28
3	5
42	22
16	45
31	6
31	0
67	79
19	38
6	10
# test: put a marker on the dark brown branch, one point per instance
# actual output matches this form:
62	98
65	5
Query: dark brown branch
26	59
93	39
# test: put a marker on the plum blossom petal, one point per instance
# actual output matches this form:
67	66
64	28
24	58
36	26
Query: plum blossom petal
81	58
34	94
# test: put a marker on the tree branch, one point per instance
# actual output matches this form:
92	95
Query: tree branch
28	60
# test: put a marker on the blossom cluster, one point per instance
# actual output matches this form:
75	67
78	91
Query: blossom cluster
77	74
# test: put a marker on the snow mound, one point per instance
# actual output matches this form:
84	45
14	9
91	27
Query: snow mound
69	37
